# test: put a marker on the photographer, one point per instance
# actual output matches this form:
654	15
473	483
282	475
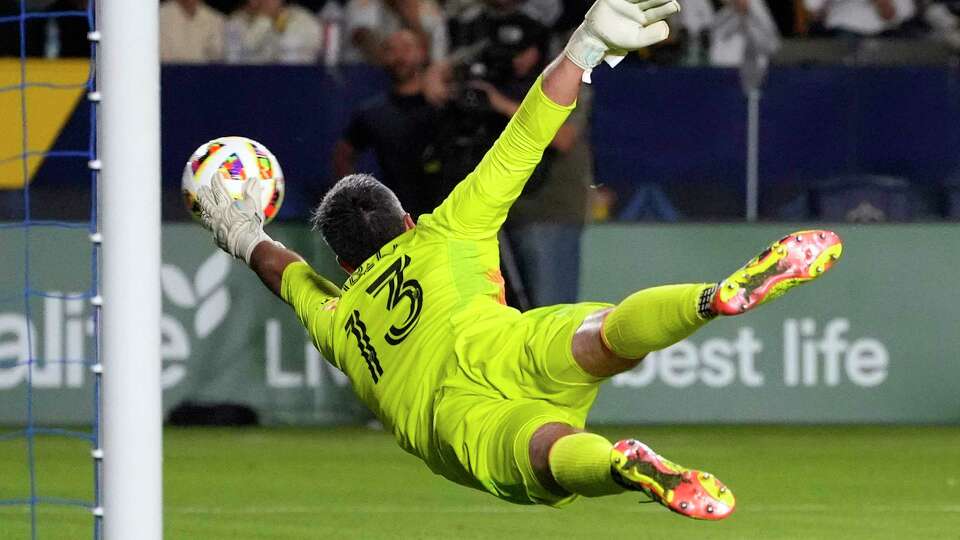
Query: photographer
498	51
497	54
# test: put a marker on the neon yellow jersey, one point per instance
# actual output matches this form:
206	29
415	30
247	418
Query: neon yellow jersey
430	304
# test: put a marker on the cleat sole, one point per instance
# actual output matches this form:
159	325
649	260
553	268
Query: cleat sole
793	260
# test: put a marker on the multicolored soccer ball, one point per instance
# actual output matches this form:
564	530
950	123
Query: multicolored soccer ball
235	159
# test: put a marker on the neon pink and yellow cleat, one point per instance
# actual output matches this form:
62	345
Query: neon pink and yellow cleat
794	259
690	493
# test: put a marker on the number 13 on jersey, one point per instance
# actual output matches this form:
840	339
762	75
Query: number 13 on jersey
397	289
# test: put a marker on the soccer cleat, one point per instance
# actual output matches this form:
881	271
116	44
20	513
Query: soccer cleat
788	262
690	493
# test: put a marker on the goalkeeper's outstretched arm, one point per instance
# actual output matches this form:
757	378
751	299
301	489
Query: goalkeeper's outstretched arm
561	81
478	206
237	227
269	260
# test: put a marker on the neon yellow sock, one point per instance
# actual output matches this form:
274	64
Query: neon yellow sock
653	319
580	463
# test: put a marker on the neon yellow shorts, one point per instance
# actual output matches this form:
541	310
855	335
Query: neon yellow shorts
483	428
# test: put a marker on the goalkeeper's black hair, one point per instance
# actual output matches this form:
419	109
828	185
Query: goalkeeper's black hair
357	217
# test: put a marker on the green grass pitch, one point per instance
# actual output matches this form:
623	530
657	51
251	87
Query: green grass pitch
806	482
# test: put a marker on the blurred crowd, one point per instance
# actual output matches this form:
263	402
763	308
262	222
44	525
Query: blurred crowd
717	32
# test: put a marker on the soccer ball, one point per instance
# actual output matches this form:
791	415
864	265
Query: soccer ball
235	159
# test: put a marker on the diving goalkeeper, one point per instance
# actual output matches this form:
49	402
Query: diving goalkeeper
489	397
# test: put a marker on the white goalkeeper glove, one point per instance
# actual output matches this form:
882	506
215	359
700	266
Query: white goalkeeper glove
612	28
237	225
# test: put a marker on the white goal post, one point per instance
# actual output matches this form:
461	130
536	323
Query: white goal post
128	79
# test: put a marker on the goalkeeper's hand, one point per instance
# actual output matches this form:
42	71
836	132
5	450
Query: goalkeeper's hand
612	28
237	225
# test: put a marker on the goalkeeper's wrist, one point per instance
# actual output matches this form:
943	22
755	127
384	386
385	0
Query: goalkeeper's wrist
585	49
263	237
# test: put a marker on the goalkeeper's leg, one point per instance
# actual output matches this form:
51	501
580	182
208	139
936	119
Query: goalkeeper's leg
608	342
567	461
615	339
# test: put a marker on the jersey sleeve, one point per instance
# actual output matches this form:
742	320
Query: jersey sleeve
479	204
314	299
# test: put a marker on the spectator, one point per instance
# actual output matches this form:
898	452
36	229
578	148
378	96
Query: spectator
270	31
546	12
369	22
399	128
944	20
190	32
695	18
507	45
743	28
861	17
498	51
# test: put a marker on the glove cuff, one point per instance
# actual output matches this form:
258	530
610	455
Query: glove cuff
262	237
585	49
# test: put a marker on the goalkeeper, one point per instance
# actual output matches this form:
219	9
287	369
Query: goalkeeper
489	397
